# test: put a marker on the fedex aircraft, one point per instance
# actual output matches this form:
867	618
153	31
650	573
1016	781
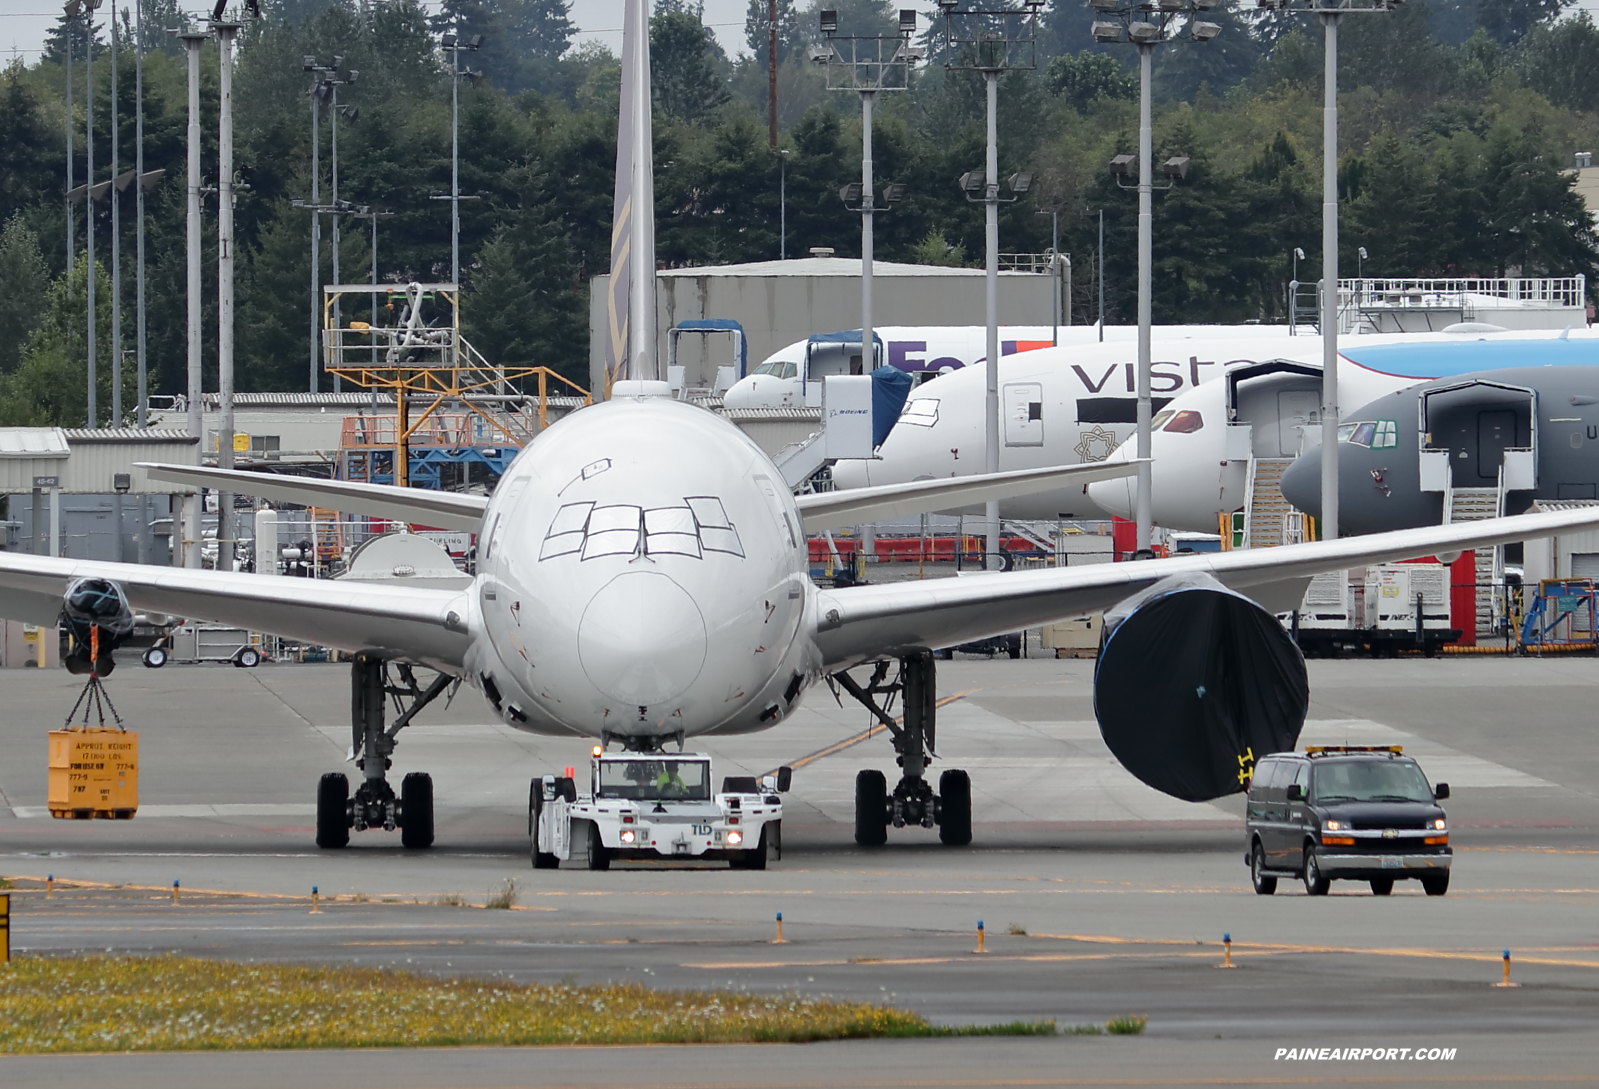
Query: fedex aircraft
1203	441
792	376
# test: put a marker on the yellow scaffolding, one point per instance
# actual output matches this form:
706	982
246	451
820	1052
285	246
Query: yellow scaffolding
415	360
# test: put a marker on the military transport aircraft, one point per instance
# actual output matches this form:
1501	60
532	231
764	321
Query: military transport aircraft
643	580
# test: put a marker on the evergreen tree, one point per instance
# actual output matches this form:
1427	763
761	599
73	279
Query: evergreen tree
1088	77
23	282
684	70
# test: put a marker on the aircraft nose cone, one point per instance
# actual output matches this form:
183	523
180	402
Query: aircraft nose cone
742	394
642	639
1114	496
1301	484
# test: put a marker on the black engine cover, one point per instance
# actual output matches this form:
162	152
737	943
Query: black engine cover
1194	682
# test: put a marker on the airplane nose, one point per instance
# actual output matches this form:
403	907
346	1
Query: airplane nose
1301	484
642	639
1113	496
741	394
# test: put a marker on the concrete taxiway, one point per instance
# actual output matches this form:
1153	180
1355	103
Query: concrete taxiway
1099	896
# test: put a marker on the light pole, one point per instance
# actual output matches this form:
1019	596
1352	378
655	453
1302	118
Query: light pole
1148	26
350	112
1360	264
992	40
192	41
867	65
116	257
1054	272
782	204
319	91
1299	255
88	180
1329	11
454	43
225	32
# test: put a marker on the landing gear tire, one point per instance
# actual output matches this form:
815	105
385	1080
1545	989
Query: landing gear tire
1382	886
155	658
955	808
248	658
1264	884
1316	883
416	810
871	808
535	805
332	811
599	855
1435	886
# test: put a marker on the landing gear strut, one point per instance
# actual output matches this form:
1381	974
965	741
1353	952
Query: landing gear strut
374	804
912	800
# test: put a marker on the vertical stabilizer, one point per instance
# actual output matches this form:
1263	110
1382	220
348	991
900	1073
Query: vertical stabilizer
630	307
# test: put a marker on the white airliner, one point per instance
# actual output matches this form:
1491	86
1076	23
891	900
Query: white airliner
792	376
1203	441
643	580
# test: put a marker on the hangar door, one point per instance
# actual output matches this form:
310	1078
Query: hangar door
1022	406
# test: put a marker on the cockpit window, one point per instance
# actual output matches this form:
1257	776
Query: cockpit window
777	368
1185	422
1386	435
700	525
789	370
922	412
612	531
1359	434
1161	417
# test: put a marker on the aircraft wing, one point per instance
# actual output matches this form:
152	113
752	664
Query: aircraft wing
858	624
829	510
445	510
416	623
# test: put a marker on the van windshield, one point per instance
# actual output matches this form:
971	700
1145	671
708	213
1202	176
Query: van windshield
655	780
1370	781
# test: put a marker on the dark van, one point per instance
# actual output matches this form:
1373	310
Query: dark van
1346	812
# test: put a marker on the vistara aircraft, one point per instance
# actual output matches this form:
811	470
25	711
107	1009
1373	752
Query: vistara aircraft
643	579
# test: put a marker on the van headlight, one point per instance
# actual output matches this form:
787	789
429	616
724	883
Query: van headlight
628	835
1440	824
735	838
1333	826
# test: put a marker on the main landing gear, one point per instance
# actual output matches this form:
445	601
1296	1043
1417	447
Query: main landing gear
374	804
913	800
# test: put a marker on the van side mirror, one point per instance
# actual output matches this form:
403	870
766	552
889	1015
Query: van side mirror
1296	793
1441	791
785	779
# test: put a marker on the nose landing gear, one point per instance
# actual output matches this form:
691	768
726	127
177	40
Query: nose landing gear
913	801
375	804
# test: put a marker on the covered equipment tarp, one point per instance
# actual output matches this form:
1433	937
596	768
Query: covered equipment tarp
890	387
1194	682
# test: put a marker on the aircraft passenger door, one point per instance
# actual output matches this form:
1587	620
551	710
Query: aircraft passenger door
1022	406
1295	409
1496	430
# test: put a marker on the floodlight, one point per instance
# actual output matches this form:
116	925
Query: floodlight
907	20
473	74
829	20
475	42
1105	5
820	53
1124	164
1204	5
893	192
1203	32
323	91
850	193
1020	183
447	42
350	112
1364	256
914	53
308	63
148	180
1143	33
974	181
1299	253
338	61
947	5
296	202
1175	167
1173	5
124	179
99	189
1106	32
354	75
74	8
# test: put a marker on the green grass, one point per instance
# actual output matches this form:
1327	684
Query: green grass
504	897
1128	1024
173	1003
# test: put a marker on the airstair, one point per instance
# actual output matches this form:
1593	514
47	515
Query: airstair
1475	505
1266	512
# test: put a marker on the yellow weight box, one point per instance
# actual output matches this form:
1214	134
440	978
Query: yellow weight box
94	773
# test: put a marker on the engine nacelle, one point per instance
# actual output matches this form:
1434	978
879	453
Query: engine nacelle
89	604
1194	682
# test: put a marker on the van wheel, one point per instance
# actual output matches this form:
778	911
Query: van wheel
1264	884
1435	886
1316	883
